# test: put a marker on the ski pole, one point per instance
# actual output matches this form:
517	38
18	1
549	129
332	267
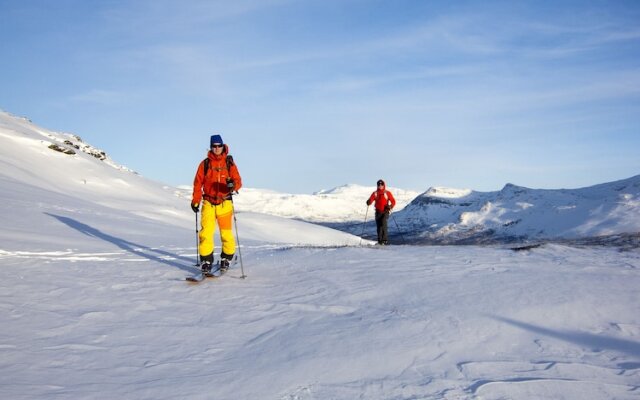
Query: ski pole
397	226
197	243
363	224
235	222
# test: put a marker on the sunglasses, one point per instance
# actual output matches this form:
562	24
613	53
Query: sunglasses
214	146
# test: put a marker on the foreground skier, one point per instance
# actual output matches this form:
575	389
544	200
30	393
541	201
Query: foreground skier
217	177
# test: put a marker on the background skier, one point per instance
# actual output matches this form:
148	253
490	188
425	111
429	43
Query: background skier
217	176
383	202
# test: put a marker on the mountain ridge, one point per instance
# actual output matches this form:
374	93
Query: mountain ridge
521	213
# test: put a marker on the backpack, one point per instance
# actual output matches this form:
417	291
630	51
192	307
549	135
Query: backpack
229	164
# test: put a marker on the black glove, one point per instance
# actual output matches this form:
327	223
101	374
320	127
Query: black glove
231	184
368	203
387	209
195	207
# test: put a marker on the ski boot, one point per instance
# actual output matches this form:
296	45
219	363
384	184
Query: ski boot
205	267
225	261
224	265
205	264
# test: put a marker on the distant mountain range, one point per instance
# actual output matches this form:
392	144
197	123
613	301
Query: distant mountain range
518	213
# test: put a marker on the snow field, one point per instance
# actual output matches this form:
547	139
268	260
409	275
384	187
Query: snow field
313	323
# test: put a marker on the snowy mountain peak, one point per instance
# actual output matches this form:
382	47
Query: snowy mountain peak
511	188
346	189
449	193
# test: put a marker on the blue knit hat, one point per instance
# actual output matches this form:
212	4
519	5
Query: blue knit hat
217	139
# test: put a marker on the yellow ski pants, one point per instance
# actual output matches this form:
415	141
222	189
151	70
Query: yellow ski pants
222	214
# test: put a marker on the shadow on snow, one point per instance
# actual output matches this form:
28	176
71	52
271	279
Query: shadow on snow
589	340
137	249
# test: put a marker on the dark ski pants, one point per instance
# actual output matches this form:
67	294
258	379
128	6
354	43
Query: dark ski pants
381	225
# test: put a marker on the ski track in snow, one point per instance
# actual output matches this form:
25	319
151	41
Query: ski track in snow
317	323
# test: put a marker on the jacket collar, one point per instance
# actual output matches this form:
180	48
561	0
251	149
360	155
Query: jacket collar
223	155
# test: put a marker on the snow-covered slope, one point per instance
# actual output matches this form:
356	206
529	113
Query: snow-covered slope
40	166
93	302
521	213
64	164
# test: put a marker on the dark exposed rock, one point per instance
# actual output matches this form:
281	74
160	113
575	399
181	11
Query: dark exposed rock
70	143
62	149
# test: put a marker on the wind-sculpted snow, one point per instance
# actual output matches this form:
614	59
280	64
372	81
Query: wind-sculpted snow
316	323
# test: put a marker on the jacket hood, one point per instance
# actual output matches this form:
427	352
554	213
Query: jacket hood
225	151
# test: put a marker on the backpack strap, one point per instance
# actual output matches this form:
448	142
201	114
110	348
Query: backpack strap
206	166
229	164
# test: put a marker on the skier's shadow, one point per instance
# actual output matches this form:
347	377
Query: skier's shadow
149	253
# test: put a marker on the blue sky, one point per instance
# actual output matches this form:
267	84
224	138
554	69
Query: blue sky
310	95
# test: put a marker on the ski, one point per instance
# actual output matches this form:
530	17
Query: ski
201	277
213	274
196	278
216	273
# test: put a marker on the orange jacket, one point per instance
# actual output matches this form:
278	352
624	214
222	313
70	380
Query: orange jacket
382	198
213	186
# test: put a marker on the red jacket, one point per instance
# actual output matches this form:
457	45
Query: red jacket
213	186
381	199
